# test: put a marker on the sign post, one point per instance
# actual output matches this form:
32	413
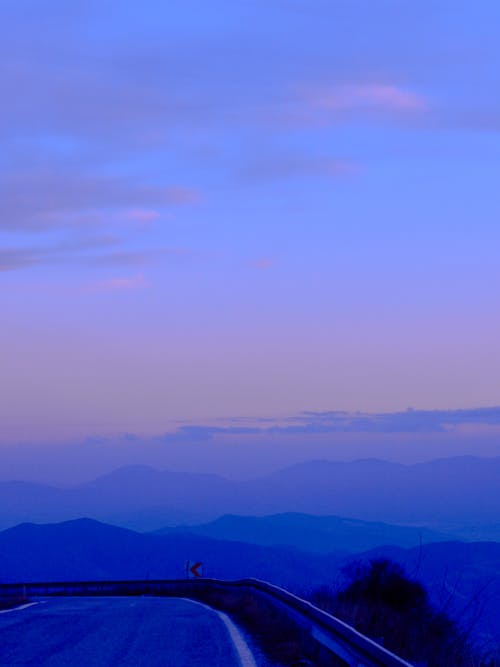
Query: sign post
194	569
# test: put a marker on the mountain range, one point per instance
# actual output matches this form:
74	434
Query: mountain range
315	534
463	578
84	549
458	496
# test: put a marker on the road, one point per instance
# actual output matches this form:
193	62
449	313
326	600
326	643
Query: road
128	631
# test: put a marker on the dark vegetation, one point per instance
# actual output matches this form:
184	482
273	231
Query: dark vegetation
380	600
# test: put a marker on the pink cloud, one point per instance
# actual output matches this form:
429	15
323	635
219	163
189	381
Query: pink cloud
38	199
135	282
370	96
182	195
275	166
143	216
70	250
262	264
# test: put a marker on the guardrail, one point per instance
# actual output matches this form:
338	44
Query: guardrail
335	637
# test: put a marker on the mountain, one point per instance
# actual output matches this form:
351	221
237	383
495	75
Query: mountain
28	501
141	497
458	496
87	549
134	496
316	534
462	577
445	494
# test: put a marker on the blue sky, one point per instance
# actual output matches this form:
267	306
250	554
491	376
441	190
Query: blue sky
245	208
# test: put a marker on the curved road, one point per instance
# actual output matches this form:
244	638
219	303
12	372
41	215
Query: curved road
127	631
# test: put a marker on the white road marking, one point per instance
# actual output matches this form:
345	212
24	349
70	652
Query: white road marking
242	649
23	606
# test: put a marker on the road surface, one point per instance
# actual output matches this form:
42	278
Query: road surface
128	631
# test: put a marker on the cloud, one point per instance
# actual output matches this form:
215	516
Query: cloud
182	195
316	105
196	433
136	258
143	216
364	97
136	282
323	423
91	252
262	264
40	199
271	166
12	259
409	421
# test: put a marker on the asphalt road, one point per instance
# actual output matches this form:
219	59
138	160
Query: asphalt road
120	631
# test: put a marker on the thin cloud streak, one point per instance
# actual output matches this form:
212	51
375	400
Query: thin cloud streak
85	252
269	167
41	200
12	259
368	97
262	264
318	423
136	282
143	216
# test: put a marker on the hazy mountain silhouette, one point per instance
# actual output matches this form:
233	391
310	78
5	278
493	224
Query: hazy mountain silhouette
87	549
136	496
316	534
449	491
458	495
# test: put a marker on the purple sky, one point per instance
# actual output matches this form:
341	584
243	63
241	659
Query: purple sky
246	209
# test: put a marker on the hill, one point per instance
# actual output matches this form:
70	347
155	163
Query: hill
316	534
87	549
463	577
426	495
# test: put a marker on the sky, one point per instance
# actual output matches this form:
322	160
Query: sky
247	210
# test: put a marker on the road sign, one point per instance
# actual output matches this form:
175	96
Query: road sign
194	569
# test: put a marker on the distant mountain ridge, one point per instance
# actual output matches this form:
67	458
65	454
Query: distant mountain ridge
315	534
459	496
85	549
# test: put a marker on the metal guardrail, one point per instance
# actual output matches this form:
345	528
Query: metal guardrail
337	637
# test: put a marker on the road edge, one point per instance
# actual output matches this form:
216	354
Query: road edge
243	651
